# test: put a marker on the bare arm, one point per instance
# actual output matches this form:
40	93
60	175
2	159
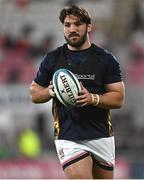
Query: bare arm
39	94
114	96
112	99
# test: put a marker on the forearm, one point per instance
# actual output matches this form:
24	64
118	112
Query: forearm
40	94
110	100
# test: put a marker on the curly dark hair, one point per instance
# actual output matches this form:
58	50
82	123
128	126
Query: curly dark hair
74	10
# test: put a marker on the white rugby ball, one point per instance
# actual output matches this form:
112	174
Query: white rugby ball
66	86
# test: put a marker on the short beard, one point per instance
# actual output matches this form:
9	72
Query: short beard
76	43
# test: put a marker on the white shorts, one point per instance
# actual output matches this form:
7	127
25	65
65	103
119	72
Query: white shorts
102	151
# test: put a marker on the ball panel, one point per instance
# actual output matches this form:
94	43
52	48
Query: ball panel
66	86
56	88
74	78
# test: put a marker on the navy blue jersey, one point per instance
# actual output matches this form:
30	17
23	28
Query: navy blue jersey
94	67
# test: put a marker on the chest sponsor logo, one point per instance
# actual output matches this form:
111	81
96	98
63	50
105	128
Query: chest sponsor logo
85	76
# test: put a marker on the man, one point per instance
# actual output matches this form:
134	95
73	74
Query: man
84	136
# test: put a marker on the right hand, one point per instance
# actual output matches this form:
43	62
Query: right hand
51	89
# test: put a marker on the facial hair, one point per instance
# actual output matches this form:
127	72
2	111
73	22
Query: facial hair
74	42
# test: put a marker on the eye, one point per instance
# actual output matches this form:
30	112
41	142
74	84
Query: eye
78	23
66	24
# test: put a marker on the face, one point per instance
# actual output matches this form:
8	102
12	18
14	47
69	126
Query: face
75	32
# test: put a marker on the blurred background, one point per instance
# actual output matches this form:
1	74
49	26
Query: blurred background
29	29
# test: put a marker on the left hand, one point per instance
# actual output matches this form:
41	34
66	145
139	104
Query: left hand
84	98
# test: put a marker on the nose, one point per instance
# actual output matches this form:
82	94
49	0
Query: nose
73	28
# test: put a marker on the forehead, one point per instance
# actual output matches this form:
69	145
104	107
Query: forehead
71	18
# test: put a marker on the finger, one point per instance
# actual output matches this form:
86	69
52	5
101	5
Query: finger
51	90
51	82
80	101
82	96
52	93
81	105
82	92
82	87
84	104
51	86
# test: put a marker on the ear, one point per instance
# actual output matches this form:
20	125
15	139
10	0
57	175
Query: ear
89	28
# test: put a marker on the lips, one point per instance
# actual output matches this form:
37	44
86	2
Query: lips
73	35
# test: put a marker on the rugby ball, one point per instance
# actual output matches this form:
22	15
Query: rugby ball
66	86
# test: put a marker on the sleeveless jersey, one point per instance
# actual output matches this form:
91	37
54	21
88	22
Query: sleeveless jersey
94	67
